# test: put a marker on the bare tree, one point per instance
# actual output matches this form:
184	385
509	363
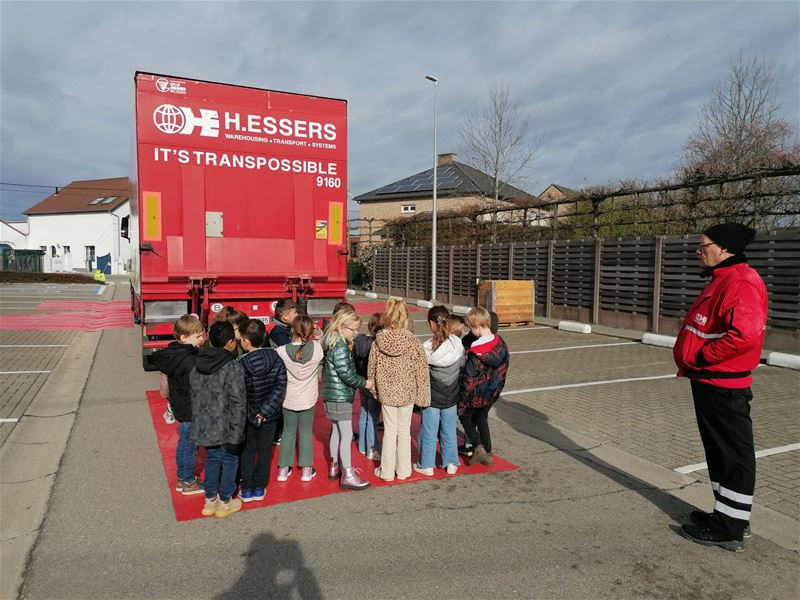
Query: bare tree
739	127
498	140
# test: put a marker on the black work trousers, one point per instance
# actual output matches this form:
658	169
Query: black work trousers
723	418
475	422
257	455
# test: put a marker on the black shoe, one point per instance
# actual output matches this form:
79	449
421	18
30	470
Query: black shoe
709	537
704	519
465	450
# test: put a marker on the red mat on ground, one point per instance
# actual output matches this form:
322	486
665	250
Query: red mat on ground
63	315
378	306
188	507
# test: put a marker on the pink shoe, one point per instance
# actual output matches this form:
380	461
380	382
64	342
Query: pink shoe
308	473
284	473
351	480
333	471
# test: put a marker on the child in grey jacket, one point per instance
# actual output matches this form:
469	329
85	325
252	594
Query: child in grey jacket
219	407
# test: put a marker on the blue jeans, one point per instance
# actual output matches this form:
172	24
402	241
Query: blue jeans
186	452
368	422
438	423
220	475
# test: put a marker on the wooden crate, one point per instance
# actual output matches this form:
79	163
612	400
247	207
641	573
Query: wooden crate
512	300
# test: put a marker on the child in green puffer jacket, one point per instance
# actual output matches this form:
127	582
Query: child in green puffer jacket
339	382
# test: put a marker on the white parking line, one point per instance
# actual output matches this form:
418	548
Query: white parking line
9	420
34	345
22	372
759	454
573	348
588	383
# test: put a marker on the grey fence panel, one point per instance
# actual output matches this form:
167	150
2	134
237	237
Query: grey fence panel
398	271
573	273
420	266
464	270
494	261
442	272
680	275
626	274
381	268
777	259
530	262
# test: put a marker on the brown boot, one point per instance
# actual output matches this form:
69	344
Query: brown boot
481	457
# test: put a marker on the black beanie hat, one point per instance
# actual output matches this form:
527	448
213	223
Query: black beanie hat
731	236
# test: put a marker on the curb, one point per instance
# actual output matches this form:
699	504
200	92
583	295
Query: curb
781	359
574	327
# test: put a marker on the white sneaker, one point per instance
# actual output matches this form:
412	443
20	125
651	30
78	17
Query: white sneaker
373	455
169	418
427	471
308	473
284	473
451	469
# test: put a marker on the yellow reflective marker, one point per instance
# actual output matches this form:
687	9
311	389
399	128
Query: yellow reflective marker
335	210
151	216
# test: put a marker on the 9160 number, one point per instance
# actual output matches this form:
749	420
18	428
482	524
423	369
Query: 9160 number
329	182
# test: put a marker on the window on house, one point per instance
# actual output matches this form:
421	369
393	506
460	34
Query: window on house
109	199
66	249
97	200
408	208
43	248
53	251
89	252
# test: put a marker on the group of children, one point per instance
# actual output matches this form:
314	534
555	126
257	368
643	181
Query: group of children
245	390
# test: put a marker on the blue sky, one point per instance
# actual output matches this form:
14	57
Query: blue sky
613	88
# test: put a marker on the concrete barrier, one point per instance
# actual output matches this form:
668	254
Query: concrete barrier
654	339
574	327
371	295
350	292
460	310
424	303
781	359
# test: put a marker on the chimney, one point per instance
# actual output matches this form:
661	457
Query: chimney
446	159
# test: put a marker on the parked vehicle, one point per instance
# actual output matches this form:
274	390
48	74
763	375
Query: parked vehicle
238	198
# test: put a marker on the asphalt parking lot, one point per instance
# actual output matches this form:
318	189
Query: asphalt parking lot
598	425
29	356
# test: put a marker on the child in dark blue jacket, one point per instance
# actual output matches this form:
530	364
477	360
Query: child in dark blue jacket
265	382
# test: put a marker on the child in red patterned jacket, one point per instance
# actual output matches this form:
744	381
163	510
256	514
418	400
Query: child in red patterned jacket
481	383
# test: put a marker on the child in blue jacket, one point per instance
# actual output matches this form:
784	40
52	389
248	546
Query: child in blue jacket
265	381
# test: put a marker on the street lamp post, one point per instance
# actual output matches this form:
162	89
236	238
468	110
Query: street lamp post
435	168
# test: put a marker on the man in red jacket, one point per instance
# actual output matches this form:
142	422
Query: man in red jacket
718	346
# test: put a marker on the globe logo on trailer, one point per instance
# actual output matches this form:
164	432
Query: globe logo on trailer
169	118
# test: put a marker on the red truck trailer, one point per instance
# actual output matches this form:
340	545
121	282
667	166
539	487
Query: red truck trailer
238	198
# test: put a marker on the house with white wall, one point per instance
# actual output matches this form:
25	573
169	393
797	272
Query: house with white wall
81	226
14	235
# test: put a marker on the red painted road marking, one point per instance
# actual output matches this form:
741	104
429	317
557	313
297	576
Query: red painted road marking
63	315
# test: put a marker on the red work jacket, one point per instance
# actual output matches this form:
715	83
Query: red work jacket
722	335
